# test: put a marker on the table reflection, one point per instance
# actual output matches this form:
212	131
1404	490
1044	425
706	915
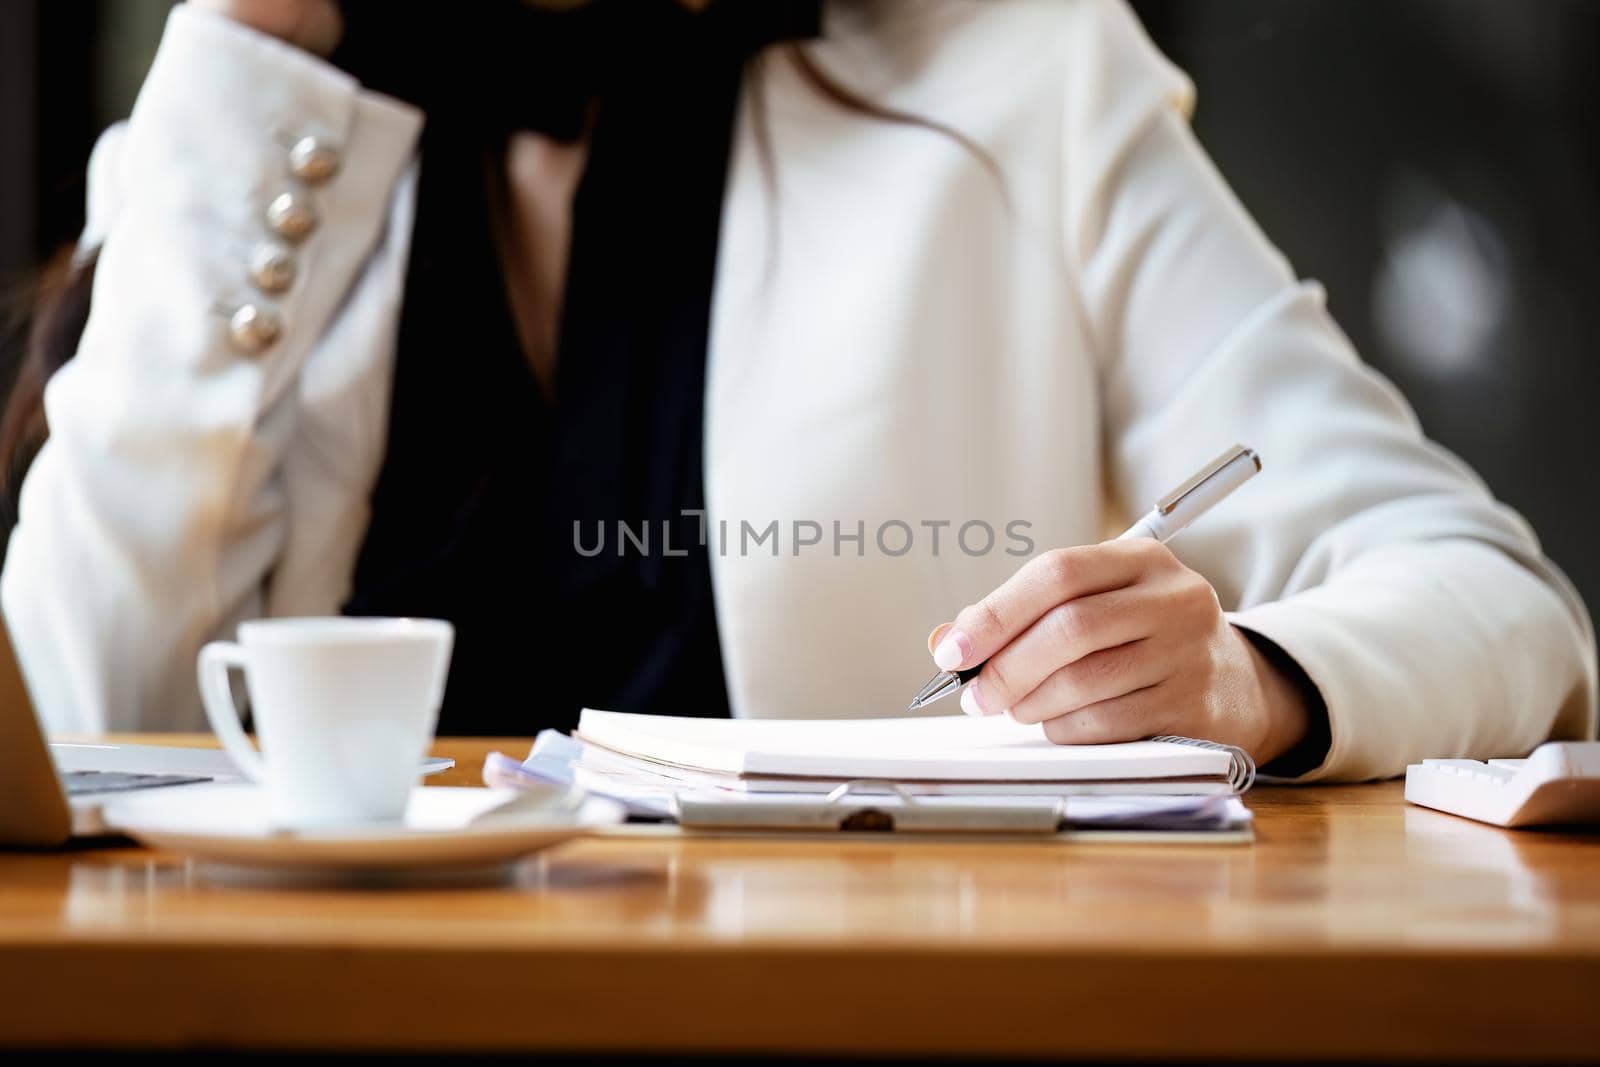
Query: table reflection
1330	868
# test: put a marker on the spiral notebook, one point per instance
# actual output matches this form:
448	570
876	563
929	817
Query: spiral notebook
720	777
922	755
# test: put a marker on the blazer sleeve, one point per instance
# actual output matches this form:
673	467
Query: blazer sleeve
152	517
1422	609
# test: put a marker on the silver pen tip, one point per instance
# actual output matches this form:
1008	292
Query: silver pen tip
939	686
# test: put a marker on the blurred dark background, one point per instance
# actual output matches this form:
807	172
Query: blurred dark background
1432	162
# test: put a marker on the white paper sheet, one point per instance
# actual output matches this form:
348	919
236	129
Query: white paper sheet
940	748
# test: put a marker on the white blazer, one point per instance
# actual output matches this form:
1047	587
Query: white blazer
892	341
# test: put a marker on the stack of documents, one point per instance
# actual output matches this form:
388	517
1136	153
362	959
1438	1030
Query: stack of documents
947	773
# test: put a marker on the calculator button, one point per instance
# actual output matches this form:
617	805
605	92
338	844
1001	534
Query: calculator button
1454	766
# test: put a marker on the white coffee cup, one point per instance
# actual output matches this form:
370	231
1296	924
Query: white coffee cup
344	709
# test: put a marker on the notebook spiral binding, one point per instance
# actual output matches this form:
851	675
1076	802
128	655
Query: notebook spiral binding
1241	772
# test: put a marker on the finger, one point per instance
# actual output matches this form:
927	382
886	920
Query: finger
1097	677
1129	717
1062	635
938	632
1048	579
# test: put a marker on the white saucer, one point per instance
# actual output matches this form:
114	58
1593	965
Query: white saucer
229	824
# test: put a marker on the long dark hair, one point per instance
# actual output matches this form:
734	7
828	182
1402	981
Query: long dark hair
49	332
61	296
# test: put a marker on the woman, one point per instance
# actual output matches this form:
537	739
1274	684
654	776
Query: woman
846	315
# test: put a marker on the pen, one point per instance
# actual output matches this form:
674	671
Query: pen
1210	486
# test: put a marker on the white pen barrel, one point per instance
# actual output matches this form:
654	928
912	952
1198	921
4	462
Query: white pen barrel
1163	526
1149	525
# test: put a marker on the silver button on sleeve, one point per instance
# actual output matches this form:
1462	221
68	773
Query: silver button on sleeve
291	216
272	268
254	328
313	160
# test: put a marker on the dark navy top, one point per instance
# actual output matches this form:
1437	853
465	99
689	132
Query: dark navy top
489	488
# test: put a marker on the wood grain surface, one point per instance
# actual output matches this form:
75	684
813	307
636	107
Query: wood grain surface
1356	927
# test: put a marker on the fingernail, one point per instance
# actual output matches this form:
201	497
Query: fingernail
971	702
953	651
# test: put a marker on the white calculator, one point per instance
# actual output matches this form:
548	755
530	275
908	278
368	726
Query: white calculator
1559	783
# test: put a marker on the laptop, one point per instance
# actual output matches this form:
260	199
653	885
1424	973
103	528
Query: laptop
50	793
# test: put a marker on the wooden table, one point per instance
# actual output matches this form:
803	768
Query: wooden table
1356	926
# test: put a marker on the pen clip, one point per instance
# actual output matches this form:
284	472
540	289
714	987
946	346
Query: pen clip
1165	505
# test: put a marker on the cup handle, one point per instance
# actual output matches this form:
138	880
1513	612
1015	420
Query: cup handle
217	696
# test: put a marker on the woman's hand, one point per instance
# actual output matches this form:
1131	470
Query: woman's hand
315	25
1115	642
